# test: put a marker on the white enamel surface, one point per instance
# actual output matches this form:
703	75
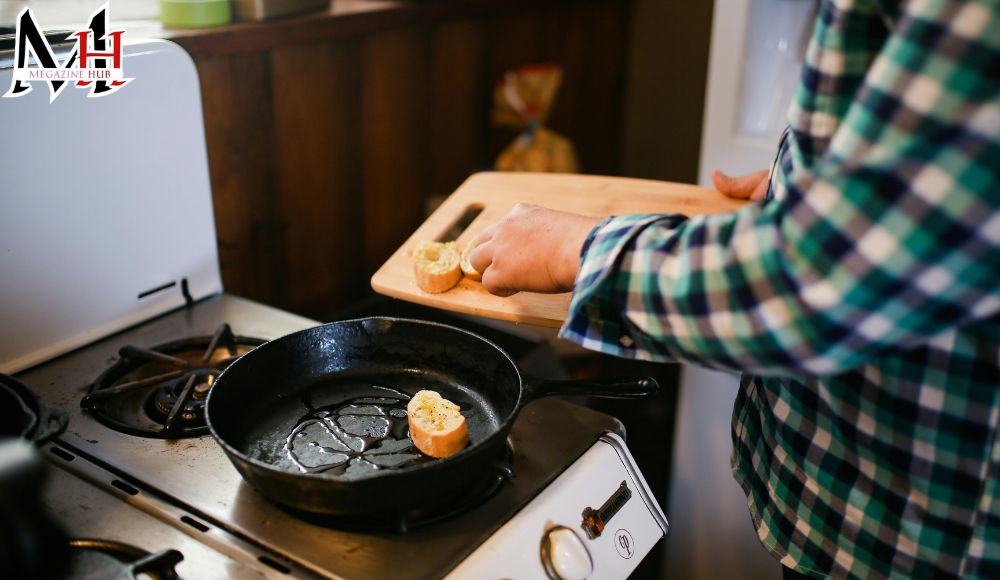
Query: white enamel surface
102	199
514	551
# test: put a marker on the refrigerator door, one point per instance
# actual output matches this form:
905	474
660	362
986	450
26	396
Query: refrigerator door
756	55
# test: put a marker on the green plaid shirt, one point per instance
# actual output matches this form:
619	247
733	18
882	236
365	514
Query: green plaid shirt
863	295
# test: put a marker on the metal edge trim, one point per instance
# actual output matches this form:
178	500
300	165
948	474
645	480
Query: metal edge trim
642	487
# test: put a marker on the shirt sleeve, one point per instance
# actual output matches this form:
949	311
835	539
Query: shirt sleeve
887	239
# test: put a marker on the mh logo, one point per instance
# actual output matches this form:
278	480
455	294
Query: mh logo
87	65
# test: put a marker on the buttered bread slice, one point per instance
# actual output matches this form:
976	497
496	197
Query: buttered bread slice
437	426
436	266
467	269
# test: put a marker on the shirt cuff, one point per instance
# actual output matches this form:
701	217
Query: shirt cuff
596	318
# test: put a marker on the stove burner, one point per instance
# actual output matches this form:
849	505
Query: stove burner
161	392
465	500
191	388
112	560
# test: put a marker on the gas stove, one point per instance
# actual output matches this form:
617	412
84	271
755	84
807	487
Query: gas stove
190	484
130	355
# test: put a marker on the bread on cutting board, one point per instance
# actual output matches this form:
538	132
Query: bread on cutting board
493	194
467	269
437	426
437	266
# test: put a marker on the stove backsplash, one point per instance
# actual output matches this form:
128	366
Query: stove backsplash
107	210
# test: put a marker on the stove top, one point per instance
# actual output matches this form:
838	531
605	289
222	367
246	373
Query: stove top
194	474
98	517
161	391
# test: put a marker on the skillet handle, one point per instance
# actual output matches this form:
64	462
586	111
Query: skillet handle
608	387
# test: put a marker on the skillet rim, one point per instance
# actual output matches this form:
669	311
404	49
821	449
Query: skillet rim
422	468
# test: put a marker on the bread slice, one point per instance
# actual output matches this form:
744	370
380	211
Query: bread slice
437	427
436	266
467	268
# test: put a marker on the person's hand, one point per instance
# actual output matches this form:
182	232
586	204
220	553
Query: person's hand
533	249
752	186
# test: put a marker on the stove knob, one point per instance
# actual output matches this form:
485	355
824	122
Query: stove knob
564	555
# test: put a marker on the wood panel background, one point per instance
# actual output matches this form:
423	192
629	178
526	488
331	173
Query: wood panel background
326	148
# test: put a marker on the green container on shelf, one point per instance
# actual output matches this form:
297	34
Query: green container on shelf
195	13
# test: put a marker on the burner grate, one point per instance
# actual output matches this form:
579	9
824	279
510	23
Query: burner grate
160	392
108	559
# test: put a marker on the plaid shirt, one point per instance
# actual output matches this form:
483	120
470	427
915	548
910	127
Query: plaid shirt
863	294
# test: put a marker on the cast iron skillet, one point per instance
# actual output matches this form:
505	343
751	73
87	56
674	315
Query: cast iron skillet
258	400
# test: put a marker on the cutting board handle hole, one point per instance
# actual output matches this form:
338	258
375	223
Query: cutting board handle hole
461	224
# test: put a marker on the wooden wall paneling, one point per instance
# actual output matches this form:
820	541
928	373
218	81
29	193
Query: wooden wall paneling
239	124
568	47
394	121
324	148
459	104
667	71
346	157
591	47
316	107
516	38
606	83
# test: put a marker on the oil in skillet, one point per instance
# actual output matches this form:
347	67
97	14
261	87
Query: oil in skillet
359	435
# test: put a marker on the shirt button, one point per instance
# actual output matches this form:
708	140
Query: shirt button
626	341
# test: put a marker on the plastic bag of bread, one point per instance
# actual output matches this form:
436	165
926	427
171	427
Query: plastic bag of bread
522	100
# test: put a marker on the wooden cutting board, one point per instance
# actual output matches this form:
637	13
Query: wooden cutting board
495	194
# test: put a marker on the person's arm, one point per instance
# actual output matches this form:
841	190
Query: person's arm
538	249
890	238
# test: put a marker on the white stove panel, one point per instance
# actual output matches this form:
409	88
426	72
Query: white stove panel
515	551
